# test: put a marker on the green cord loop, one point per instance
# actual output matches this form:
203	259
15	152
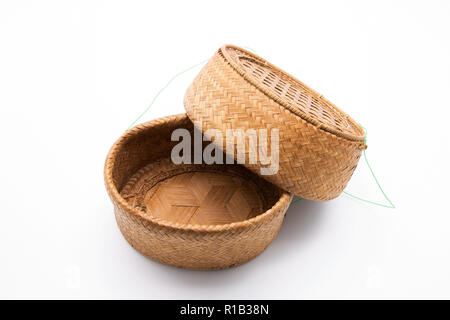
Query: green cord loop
391	206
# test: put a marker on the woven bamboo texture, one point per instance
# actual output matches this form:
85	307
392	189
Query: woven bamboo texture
194	216
319	145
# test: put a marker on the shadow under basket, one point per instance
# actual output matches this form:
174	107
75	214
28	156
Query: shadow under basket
194	216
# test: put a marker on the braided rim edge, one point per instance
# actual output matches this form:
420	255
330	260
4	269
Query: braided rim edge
281	205
223	52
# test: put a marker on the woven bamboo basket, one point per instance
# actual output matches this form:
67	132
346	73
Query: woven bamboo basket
319	145
194	216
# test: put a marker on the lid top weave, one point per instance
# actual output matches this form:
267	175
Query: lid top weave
291	93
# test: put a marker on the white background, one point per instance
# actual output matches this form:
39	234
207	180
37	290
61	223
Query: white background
75	74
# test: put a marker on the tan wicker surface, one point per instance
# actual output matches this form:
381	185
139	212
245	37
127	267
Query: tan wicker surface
195	194
190	216
320	145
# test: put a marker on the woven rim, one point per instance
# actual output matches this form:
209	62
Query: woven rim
284	198
353	132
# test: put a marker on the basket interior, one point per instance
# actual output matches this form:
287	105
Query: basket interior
195	194
191	194
292	92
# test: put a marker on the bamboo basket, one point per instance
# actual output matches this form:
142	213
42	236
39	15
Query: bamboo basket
192	216
319	145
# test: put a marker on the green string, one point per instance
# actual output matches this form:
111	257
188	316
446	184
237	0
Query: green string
168	83
391	206
162	89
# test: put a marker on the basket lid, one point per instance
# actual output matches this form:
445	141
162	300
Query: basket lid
292	93
316	146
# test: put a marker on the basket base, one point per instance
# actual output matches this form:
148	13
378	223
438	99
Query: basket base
194	216
193	194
